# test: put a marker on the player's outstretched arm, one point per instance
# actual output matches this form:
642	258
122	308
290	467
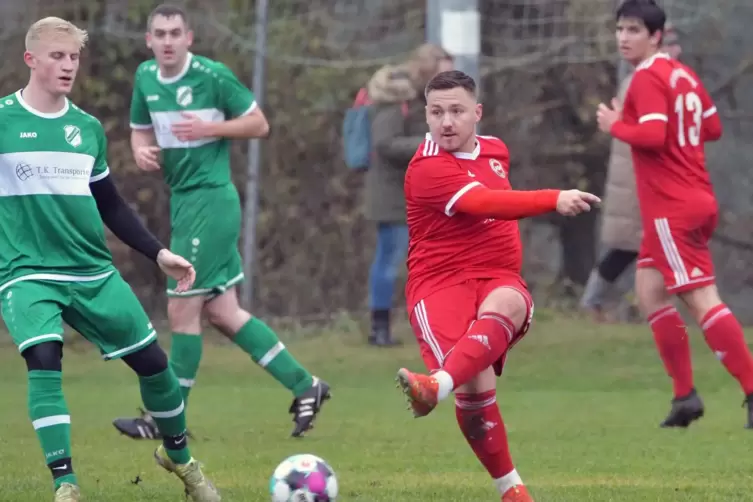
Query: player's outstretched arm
127	226
518	204
438	182
122	220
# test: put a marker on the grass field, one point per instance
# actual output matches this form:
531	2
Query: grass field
581	403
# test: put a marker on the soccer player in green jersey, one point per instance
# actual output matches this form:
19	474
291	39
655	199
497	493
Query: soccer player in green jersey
185	111
55	267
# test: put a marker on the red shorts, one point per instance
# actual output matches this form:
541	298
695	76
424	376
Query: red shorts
440	320
678	247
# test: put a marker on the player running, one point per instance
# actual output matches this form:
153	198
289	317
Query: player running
187	109
55	267
468	302
667	118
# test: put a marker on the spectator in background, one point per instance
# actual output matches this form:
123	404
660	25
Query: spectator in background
398	126
621	228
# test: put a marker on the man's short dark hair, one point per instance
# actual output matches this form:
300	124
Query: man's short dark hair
167	10
451	80
647	11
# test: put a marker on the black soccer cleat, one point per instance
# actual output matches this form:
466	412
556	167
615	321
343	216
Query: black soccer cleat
306	407
684	411
142	427
749	403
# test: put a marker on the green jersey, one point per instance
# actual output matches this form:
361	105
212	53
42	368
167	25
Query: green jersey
50	227
205	88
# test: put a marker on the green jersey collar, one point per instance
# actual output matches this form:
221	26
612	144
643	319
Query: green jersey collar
172	80
53	115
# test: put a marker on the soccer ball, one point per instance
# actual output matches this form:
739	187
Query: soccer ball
303	478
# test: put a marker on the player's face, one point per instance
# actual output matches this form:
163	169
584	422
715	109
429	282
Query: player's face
169	38
634	41
452	116
54	63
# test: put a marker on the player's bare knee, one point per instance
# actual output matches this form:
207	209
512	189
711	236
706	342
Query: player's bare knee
700	301
225	314
650	291
506	301
149	361
483	382
47	356
184	314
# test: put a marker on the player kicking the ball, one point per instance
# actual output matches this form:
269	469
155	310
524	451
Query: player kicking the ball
667	118
55	192
187	109
468	302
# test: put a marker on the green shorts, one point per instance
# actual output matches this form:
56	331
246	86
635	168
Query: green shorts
206	225
103	308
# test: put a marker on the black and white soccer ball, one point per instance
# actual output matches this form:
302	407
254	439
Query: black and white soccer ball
303	478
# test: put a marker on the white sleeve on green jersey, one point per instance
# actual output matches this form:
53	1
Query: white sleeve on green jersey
100	169
236	100
140	118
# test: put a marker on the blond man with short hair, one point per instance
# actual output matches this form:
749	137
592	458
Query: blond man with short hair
55	194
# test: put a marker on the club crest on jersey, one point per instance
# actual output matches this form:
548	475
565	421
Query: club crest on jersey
72	135
184	96
497	167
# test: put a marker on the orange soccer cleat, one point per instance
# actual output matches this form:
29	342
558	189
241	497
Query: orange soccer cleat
517	493
420	390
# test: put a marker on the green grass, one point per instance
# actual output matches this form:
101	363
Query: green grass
581	403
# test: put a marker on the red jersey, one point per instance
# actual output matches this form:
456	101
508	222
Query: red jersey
673	176
448	248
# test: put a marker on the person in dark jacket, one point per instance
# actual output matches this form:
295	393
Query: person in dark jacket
398	125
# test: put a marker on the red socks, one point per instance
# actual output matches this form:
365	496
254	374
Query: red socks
485	341
671	337
481	423
725	337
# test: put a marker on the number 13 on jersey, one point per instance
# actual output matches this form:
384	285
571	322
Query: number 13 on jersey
689	110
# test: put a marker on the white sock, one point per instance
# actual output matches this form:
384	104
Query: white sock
507	481
445	384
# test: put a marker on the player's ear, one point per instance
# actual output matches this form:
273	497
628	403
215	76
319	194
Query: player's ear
479	112
189	37
148	39
29	59
656	38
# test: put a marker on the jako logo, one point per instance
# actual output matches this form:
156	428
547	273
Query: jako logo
28	135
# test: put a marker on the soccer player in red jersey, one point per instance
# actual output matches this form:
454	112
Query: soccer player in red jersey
667	117
468	302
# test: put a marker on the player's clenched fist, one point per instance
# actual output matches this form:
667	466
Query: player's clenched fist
572	202
146	158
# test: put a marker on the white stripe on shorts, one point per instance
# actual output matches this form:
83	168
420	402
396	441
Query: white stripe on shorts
426	333
671	253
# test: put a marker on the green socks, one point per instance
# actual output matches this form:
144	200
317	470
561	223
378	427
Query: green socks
52	423
262	344
185	356
164	402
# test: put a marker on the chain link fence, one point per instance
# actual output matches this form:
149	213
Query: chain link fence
545	65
